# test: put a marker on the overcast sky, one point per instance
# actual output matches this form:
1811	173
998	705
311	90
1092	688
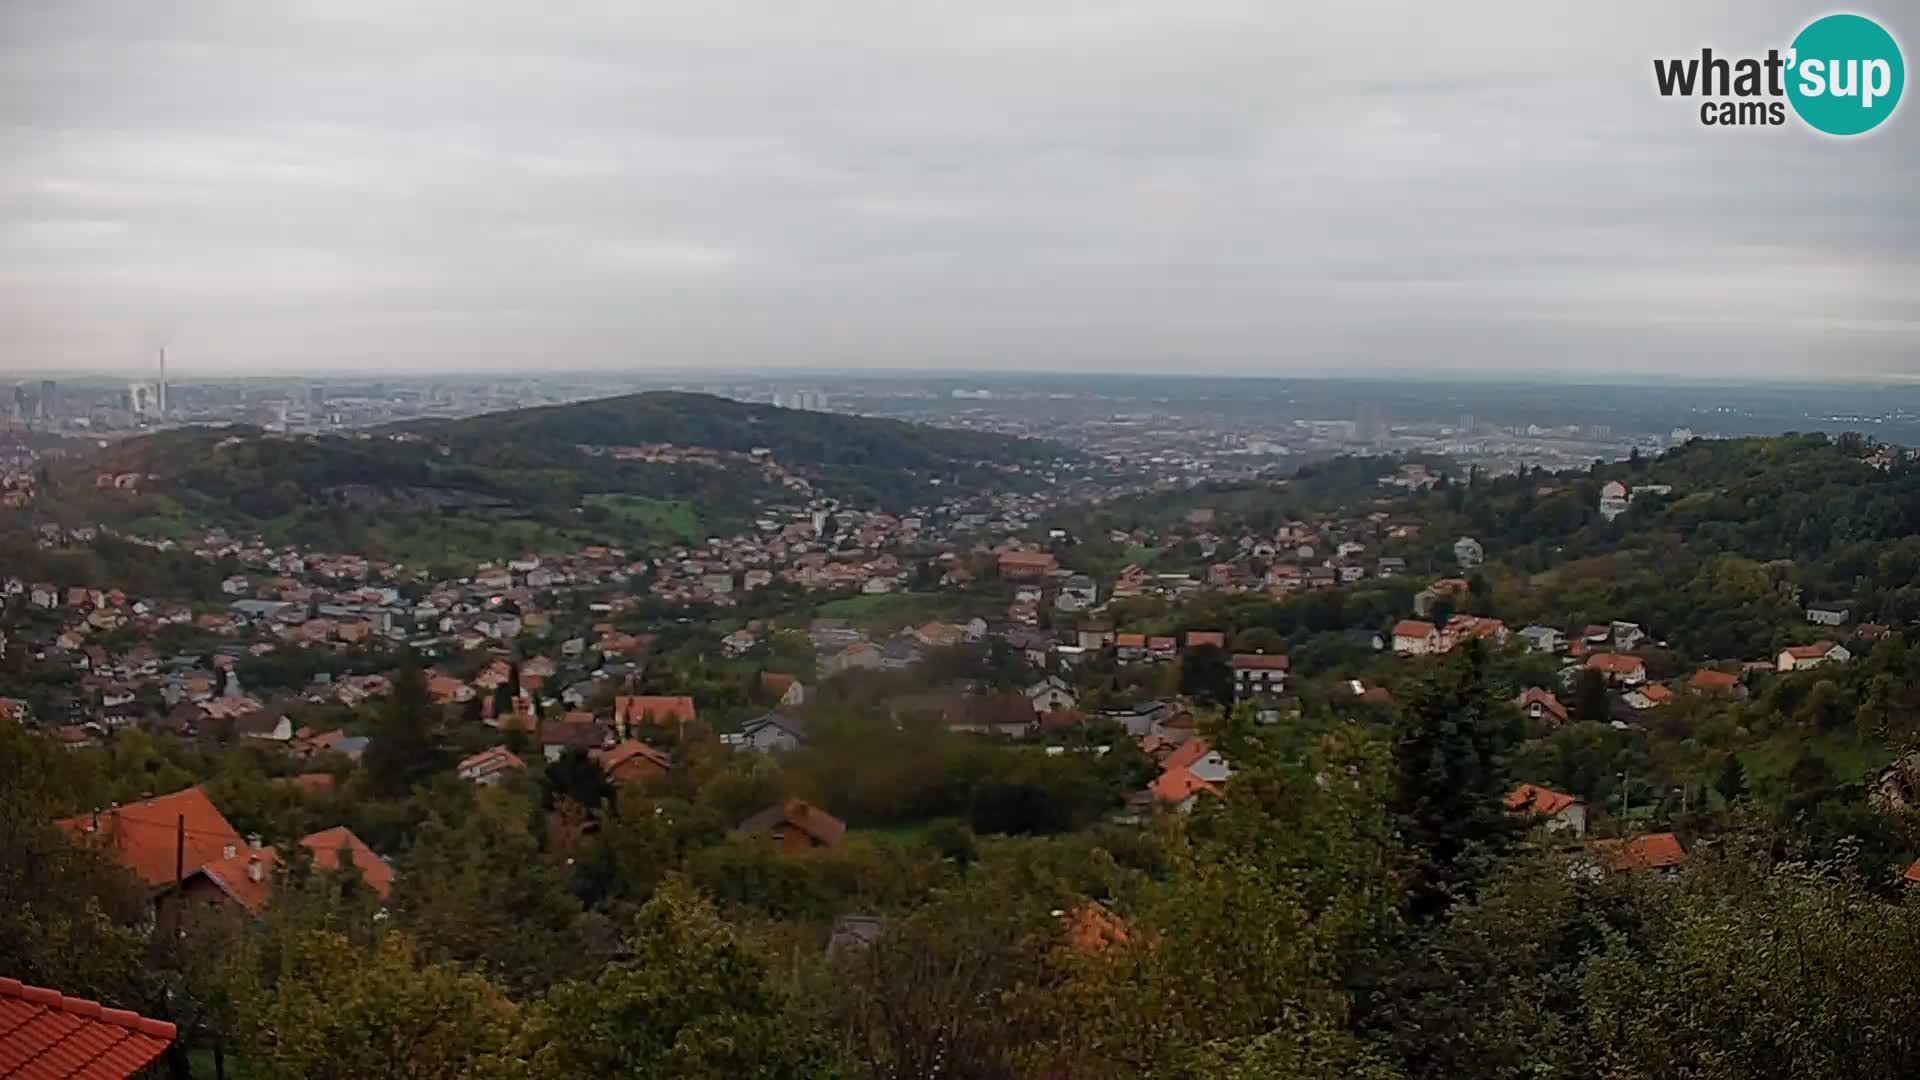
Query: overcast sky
1178	185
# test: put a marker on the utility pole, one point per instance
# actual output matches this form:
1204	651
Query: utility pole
1626	783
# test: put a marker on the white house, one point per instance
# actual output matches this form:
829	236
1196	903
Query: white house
772	733
1415	637
1468	552
1051	694
1803	657
1613	499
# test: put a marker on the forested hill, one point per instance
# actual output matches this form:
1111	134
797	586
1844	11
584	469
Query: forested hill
534	479
884	462
1722	547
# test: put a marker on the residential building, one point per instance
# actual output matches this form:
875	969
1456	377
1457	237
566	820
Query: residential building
798	825
1803	657
490	766
1415	637
1558	812
1619	668
773	733
1468	553
1259	674
633	761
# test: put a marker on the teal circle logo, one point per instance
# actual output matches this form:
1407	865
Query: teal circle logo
1845	74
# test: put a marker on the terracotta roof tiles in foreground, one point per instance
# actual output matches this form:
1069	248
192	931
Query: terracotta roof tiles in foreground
45	1034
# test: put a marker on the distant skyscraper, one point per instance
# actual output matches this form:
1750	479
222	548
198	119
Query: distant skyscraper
46	399
316	405
163	384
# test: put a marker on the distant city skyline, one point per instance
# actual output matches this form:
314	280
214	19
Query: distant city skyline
1223	187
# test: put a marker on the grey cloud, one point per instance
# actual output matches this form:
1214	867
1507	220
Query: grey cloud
1218	184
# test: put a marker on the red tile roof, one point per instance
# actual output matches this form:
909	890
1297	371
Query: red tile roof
1413	628
1549	704
1810	652
1130	641
659	710
1259	662
1654	851
144	835
1615	663
44	1033
823	828
616	759
1214	638
1176	784
1711	681
776	683
235	879
1533	799
1189	752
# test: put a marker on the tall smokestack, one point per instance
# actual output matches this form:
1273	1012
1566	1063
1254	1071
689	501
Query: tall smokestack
163	382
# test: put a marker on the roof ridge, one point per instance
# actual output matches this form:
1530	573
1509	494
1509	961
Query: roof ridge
85	1008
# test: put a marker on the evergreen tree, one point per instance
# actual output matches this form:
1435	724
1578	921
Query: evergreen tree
1732	781
1446	751
405	748
1590	703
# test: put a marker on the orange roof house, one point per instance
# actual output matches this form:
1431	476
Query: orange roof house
247	879
1212	639
1024	565
1619	666
653	710
146	836
1178	784
1709	681
1533	799
632	761
44	1033
1541	704
798	825
1654	851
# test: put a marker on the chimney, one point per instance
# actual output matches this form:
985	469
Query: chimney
255	871
253	840
228	851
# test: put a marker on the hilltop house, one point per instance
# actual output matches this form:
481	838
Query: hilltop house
1259	673
797	824
633	761
1051	694
1540	704
1828	616
1803	657
772	733
490	766
1559	812
1414	637
1619	668
1468	553
1613	499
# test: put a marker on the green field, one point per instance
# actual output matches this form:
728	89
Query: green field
669	518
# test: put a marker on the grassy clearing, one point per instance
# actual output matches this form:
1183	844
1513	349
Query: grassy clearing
673	518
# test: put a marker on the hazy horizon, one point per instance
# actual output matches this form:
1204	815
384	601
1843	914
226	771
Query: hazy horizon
1219	188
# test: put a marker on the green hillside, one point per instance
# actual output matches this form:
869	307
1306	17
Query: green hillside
508	482
868	461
